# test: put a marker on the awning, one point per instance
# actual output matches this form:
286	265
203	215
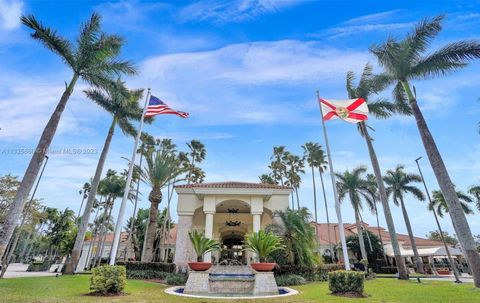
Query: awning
426	252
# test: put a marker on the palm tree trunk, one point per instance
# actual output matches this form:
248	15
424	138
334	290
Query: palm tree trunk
102	231
402	269
314	198
361	241
379	233
16	209
366	233
298	200
459	221
418	261
132	224
326	211
147	254
81	205
83	226
92	242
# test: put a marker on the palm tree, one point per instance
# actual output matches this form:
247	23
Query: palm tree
94	60
400	183
310	152
298	236
122	104
277	165
441	206
380	109
475	191
405	60
197	155
294	167
162	167
84	192
353	185
373	190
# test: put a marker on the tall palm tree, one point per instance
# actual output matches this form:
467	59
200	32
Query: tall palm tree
440	204
475	191
406	60
354	186
295	165
162	167
380	109
373	190
310	152
94	60
399	183
84	192
277	166
197	155
122	104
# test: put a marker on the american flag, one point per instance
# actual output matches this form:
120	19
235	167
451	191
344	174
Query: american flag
157	107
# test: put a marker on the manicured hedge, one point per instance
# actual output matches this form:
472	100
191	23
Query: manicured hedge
146	274
290	280
314	273
108	279
176	279
155	266
342	282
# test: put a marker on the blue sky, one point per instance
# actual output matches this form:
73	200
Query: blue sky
247	72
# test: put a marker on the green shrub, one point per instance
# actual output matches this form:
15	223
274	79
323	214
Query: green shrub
40	266
314	273
176	279
108	279
157	266
290	280
146	274
341	282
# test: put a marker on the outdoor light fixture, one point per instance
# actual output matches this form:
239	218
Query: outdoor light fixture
232	215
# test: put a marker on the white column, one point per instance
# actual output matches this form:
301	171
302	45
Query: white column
208	233
257	222
183	246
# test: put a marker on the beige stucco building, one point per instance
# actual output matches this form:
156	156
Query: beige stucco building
226	211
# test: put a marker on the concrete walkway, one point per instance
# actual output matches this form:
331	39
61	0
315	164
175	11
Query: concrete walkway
19	270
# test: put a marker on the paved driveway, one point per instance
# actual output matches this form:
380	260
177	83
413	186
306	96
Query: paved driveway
19	270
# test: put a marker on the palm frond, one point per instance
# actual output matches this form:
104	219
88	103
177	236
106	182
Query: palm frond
50	39
421	37
401	100
381	108
446	60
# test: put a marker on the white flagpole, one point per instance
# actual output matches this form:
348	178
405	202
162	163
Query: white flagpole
121	213
341	231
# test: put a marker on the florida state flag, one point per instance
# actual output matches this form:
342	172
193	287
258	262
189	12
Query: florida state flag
352	110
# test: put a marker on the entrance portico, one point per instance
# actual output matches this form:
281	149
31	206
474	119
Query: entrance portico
226	211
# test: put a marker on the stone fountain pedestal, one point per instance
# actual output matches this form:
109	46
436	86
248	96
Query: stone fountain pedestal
231	280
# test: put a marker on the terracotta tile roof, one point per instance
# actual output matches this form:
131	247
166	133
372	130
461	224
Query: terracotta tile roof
351	229
233	184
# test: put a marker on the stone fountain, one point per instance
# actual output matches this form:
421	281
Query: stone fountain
231	280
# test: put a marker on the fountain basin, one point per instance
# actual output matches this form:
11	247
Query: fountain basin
179	291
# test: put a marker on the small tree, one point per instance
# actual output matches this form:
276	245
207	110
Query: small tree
202	244
263	244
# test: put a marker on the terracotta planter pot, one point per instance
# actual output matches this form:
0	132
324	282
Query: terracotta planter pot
263	266
199	266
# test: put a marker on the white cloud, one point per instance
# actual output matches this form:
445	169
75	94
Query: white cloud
10	12
233	10
234	83
378	22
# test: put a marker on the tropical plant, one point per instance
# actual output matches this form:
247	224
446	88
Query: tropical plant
374	253
475	192
294	167
354	186
162	167
267	179
122	104
399	183
315	157
444	236
368	85
84	193
440	204
263	244
202	244
298	236
406	60
94	60
197	154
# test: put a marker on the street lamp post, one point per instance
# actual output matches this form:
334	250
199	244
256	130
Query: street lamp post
454	268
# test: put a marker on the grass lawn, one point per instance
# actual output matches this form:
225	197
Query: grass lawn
73	289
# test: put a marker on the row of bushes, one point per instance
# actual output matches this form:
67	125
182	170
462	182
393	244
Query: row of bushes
170	278
147	266
315	273
346	282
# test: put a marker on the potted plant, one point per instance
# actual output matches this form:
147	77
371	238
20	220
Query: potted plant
201	245
263	245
